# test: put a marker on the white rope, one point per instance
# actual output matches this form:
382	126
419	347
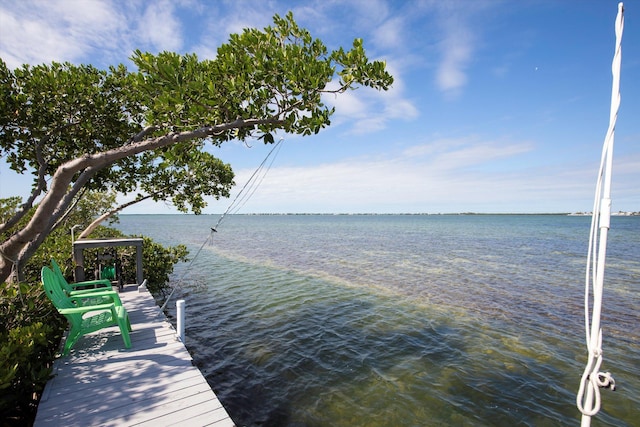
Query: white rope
588	398
251	184
15	270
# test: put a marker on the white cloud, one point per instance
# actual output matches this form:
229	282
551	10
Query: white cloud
160	27
450	154
389	34
348	104
447	175
237	16
433	177
37	32
456	49
367	110
368	125
401	109
96	31
460	27
329	16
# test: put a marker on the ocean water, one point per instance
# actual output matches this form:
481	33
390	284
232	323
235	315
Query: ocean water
403	320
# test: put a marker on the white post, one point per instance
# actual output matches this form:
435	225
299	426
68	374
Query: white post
180	321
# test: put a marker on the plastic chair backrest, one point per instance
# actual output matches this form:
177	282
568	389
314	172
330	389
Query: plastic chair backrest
108	272
53	289
60	277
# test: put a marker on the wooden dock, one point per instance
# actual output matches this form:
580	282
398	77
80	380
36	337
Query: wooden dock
101	383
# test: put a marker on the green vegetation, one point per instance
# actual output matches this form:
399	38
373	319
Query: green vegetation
33	328
150	132
28	341
85	134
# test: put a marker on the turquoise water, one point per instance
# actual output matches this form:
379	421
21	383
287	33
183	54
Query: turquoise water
303	320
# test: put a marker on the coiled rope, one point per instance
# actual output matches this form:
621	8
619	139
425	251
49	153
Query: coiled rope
238	202
588	398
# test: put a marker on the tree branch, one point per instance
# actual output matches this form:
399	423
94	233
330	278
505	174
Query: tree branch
63	209
59	197
142	134
69	210
37	190
85	233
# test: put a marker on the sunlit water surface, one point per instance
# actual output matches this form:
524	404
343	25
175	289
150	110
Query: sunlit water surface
301	320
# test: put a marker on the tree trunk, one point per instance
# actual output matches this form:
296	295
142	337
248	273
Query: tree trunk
56	199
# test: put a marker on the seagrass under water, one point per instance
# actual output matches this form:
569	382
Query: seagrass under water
403	320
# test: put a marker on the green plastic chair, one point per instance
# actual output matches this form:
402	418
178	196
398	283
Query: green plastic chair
108	272
85	318
72	288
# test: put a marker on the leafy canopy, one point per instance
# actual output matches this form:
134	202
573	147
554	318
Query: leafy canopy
54	113
151	131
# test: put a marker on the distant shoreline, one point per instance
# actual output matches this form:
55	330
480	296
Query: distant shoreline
396	214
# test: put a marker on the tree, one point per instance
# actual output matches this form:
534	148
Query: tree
32	327
77	127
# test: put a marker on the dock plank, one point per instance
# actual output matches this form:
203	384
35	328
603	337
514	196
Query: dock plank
152	383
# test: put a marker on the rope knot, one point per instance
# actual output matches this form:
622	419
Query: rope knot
605	380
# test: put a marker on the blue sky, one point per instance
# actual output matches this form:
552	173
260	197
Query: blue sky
497	106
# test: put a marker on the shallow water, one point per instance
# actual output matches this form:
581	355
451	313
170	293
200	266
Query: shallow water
403	320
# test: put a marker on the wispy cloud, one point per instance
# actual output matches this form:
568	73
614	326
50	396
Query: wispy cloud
367	111
100	32
457	39
37	32
390	34
456	52
456	48
107	32
370	111
451	154
432	177
159	27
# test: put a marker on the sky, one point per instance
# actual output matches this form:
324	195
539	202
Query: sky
497	106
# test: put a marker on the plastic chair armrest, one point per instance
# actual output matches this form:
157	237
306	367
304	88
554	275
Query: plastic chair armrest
115	298
91	282
86	309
